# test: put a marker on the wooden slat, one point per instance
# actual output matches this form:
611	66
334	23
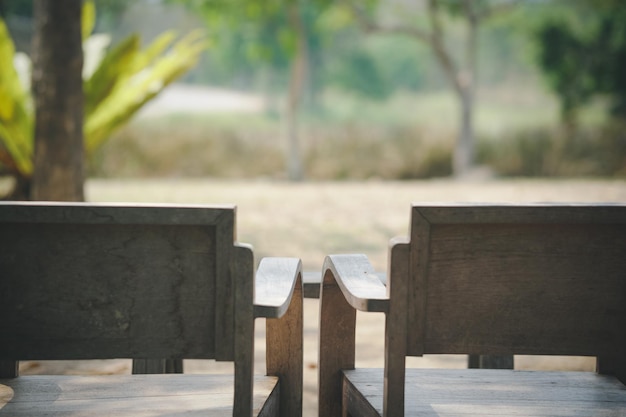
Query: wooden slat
284	336
9	368
358	281
224	290
395	329
157	366
128	395
275	281
481	392
491	286
336	344
111	213
548	213
243	279
106	291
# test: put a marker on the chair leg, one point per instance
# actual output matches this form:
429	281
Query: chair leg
490	362
9	369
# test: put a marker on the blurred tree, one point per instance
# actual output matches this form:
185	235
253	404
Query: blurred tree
116	85
581	49
58	95
277	33
460	73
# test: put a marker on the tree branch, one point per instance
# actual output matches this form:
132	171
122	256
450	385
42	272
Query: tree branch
498	9
370	26
439	49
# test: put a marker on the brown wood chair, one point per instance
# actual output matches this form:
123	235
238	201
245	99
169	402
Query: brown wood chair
152	283
492	280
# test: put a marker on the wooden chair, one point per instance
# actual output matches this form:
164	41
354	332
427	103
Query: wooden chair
88	281
492	280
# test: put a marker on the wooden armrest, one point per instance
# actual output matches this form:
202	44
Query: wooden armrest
274	286
278	297
358	282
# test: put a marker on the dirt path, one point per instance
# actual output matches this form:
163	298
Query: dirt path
310	220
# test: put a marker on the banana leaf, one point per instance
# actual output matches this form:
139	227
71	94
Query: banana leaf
129	96
16	118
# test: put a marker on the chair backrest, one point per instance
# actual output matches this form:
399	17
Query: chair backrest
88	281
532	279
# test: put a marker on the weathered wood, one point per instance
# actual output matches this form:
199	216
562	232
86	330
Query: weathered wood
157	366
153	283
561	283
243	277
336	344
483	392
107	292
395	328
492	280
129	395
358	282
275	281
312	281
9	369
279	286
490	362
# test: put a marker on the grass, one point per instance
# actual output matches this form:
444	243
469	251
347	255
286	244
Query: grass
409	136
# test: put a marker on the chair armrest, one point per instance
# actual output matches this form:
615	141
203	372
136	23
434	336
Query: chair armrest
274	286
358	282
278	298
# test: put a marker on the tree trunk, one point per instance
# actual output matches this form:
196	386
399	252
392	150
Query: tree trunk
57	90
299	64
463	160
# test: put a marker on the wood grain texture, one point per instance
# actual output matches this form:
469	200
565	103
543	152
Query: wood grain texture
483	392
491	286
358	282
284	332
275	281
395	328
152	283
83	220
9	369
243	277
161	259
98	292
336	344
494	280
128	395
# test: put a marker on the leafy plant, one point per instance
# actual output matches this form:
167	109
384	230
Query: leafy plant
125	78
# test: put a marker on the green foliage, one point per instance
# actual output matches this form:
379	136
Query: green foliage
120	87
16	112
124	80
582	52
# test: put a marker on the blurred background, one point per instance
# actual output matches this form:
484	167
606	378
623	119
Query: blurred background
376	89
322	120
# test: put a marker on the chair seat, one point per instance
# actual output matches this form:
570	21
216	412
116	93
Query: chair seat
484	392
131	395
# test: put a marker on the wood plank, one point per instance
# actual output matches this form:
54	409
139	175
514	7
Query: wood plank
336	344
9	368
243	278
111	213
491	286
547	213
106	291
447	392
127	395
312	280
284	337
275	281
395	329
358	282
